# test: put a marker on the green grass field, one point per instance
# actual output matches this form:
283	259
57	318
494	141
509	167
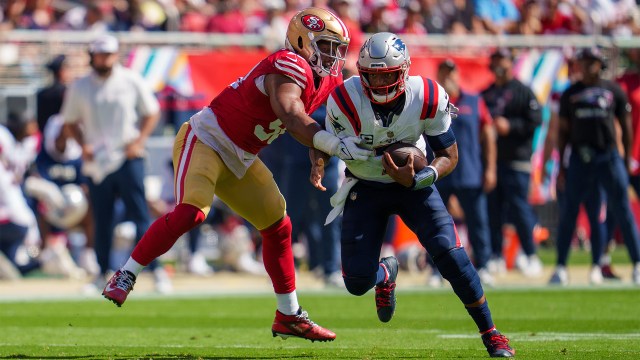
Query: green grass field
574	323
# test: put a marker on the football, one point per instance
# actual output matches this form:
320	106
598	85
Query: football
400	153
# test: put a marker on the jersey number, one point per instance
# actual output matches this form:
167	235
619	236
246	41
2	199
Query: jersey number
275	126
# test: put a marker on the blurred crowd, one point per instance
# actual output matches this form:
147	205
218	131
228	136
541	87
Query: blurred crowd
527	17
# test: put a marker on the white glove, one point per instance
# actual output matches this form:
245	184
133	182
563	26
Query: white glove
346	148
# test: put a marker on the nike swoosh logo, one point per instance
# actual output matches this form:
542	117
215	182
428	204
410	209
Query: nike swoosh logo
294	59
359	237
109	288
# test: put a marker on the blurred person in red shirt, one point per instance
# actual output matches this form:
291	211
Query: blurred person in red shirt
414	22
561	17
228	19
630	84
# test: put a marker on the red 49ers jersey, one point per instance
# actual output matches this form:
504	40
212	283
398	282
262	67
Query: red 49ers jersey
243	109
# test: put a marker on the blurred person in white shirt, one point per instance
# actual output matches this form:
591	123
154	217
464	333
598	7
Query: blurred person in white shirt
111	112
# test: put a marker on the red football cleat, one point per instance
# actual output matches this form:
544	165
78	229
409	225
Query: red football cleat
300	326
497	344
119	286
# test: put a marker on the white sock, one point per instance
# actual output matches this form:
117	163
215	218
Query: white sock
133	266
288	303
605	259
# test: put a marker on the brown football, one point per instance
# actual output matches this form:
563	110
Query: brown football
400	153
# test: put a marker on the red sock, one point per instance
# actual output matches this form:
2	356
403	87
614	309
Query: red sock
277	256
165	231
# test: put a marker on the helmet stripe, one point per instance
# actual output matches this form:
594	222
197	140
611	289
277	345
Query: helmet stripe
190	140
345	31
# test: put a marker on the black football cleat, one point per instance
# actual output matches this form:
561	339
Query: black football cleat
386	292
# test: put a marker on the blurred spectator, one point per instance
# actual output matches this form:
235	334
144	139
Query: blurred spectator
562	17
62	194
111	112
433	15
630	84
381	19
347	10
595	161
49	99
19	144
89	17
414	22
228	18
529	23
194	15
274	29
461	17
475	174
612	17
498	16
516	114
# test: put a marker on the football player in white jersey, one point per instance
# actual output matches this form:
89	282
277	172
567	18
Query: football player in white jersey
385	105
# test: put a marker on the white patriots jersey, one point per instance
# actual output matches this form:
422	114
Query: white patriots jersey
349	113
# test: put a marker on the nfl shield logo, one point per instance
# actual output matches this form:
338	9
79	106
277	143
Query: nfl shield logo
353	195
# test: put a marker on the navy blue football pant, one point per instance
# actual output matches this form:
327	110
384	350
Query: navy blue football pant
508	202
126	183
593	205
603	169
11	238
474	204
365	216
634	181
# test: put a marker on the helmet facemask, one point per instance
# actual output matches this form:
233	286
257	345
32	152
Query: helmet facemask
329	55
383	94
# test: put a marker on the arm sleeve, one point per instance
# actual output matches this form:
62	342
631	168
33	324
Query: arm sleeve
71	106
147	103
531	117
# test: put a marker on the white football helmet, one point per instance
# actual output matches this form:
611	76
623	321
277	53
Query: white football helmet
384	53
63	207
311	26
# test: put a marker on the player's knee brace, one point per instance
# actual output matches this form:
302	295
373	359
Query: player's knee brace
184	218
359	285
456	267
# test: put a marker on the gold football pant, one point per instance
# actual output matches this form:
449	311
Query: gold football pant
200	173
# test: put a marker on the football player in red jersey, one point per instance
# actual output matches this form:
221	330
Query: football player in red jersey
215	152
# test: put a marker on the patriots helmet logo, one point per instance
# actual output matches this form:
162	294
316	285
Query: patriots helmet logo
313	22
399	45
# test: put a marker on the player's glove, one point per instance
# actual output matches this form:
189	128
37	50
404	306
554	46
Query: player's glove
346	148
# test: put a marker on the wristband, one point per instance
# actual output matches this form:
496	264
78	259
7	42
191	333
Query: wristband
425	177
326	142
